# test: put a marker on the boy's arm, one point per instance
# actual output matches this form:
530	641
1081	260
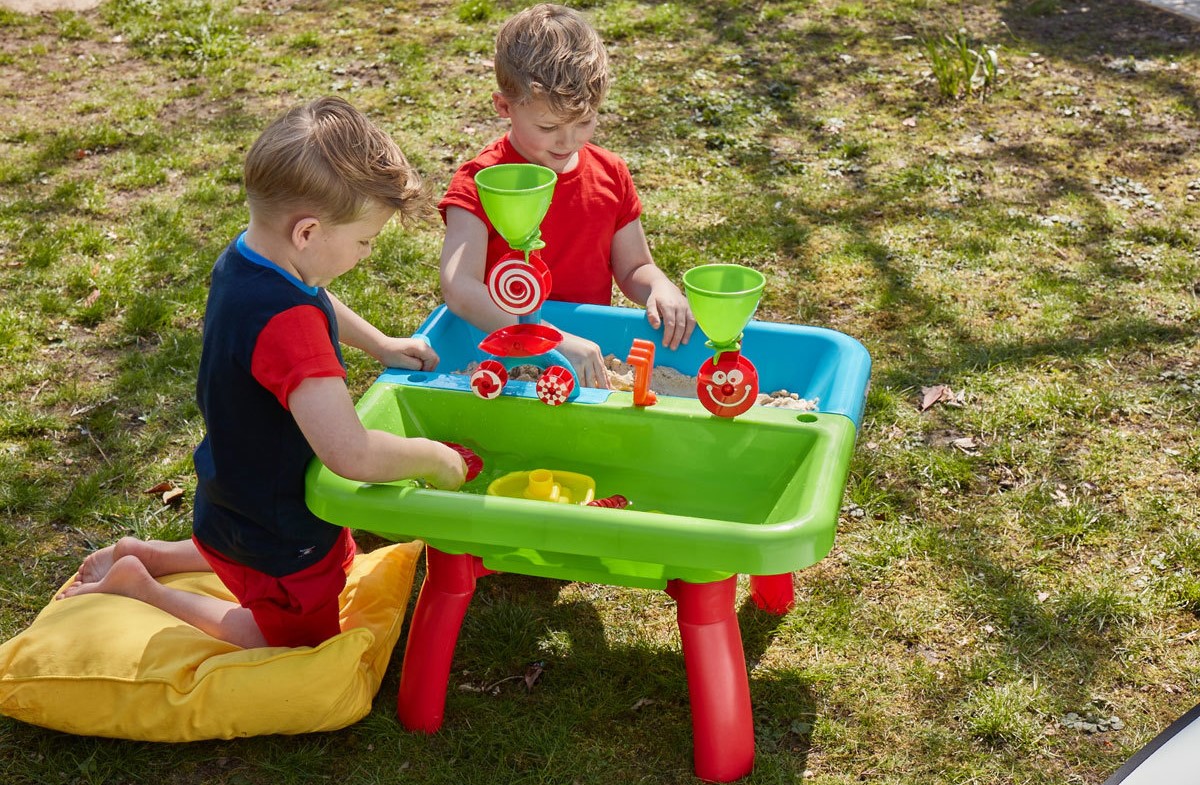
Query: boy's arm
640	279
322	407
463	267
353	330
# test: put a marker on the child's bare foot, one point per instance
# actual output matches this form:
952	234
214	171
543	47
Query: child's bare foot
126	576
157	557
97	564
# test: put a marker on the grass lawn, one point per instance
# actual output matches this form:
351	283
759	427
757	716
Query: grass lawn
1000	200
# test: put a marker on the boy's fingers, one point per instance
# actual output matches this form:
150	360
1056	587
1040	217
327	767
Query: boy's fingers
427	356
588	375
599	377
668	336
674	331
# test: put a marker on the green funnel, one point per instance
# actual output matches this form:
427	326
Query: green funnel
723	298
516	198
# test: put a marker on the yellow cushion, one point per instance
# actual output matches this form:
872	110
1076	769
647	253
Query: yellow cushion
103	665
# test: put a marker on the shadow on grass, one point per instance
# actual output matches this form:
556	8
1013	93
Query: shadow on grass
1095	38
1059	642
627	694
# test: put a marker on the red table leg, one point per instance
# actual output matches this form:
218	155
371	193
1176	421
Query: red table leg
773	593
722	722
445	594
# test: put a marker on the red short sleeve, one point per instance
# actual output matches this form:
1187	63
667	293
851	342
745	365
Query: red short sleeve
292	347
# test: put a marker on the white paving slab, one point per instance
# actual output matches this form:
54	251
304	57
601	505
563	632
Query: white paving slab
1186	8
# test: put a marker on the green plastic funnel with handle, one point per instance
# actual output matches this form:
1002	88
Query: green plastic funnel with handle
516	198
723	298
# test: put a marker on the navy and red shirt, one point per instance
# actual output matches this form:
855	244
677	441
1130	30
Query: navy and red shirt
265	332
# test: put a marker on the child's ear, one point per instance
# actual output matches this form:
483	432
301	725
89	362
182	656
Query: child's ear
502	105
304	230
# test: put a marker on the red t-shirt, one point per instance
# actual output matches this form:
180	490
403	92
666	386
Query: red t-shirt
590	204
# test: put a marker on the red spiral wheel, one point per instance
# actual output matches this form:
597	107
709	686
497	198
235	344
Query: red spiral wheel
517	286
489	379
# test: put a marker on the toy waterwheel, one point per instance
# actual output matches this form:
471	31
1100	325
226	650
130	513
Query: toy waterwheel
489	379
554	386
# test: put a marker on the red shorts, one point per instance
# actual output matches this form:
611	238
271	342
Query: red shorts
300	609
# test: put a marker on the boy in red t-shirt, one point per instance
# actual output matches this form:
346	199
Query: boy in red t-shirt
552	72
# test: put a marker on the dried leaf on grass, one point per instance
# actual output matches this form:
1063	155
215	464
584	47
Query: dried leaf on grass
171	495
965	443
955	439
939	393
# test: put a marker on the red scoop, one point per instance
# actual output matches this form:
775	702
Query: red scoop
473	461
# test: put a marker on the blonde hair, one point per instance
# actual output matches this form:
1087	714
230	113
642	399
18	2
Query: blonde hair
551	52
326	156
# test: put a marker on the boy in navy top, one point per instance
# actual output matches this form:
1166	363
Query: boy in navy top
321	181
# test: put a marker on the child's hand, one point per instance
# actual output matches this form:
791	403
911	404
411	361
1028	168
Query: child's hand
586	359
471	460
667	307
411	353
449	469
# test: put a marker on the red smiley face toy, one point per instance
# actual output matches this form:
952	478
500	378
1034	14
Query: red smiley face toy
729	386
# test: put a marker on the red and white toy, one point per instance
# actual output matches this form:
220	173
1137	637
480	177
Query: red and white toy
727	384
